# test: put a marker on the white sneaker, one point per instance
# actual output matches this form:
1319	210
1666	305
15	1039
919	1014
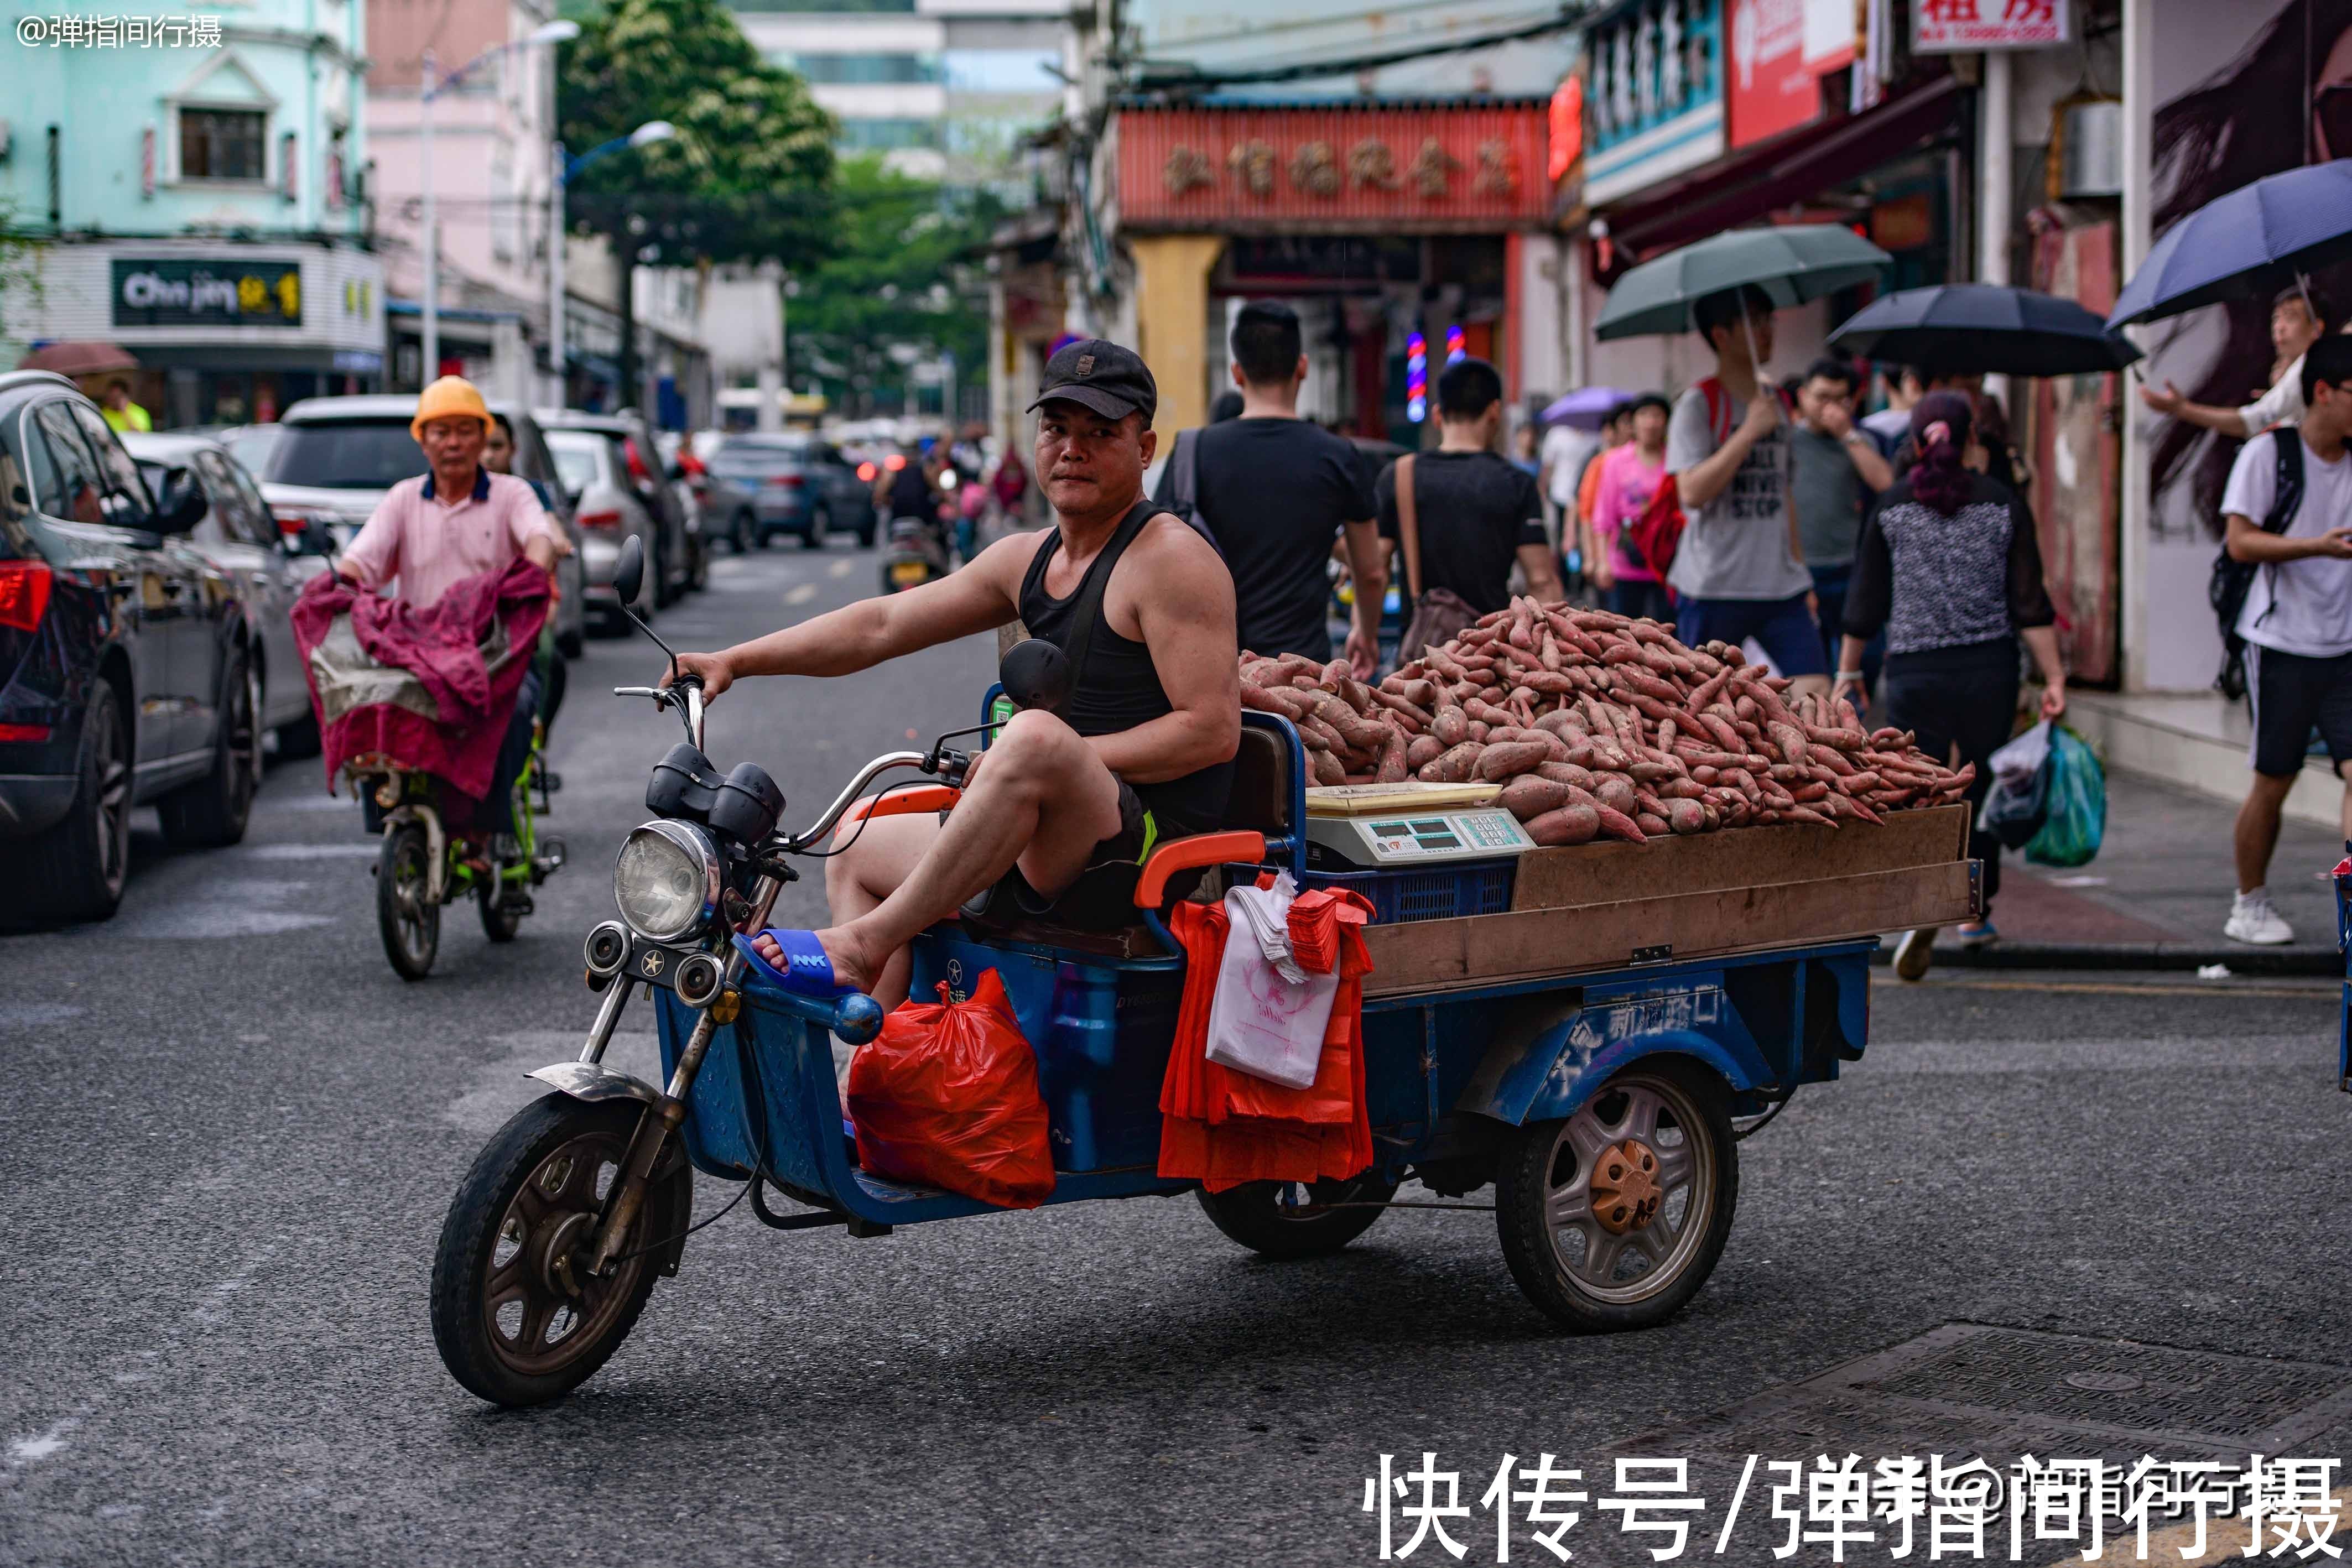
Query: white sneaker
2254	921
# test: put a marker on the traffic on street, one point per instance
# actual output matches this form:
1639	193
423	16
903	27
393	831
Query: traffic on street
984	783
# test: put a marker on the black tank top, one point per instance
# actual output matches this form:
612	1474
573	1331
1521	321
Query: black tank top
1118	689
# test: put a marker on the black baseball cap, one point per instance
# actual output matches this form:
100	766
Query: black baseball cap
1102	376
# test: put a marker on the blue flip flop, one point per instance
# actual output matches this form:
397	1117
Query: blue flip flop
808	972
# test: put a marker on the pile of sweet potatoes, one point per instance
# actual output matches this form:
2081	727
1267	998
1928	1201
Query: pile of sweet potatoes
1600	725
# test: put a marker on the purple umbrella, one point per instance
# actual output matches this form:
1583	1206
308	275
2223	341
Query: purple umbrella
1585	408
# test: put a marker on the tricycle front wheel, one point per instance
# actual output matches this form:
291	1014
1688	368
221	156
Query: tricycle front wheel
1299	1219
516	1315
1613	1218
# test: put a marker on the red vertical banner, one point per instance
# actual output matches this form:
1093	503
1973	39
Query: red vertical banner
1511	351
1779	50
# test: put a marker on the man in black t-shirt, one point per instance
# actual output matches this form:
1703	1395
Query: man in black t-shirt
1273	490
1478	514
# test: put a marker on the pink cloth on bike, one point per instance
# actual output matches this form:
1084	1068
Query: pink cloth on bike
431	687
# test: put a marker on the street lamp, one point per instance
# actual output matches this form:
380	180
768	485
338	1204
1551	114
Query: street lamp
563	168
433	82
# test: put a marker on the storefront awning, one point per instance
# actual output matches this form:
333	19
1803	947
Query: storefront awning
1782	171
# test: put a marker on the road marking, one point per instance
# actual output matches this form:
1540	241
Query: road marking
802	595
2097	989
366	850
841	568
24	1451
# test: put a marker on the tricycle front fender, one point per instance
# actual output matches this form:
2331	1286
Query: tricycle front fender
590	1081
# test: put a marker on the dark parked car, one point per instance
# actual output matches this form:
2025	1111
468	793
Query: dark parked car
265	566
127	656
762	485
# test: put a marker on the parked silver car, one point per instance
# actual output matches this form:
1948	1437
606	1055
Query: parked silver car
593	469
340	455
673	557
265	566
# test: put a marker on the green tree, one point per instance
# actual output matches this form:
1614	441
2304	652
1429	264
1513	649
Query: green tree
905	283
748	176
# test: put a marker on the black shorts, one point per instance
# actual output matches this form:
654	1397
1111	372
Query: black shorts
2292	692
1103	896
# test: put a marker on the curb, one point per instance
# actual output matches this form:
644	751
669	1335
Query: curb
2156	956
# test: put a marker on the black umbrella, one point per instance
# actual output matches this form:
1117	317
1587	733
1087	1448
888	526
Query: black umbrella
1984	329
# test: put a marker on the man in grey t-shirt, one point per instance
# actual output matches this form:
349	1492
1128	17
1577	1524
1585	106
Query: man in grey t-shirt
1838	470
1740	571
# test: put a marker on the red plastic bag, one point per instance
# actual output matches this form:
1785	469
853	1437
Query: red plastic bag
948	1095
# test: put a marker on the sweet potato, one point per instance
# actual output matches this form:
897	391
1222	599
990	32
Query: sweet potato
1391	768
1328	769
1509	759
1652	825
1616	791
1423	750
1565	825
1454	766
1530	795
1686	817
1565	773
1617	825
1451	725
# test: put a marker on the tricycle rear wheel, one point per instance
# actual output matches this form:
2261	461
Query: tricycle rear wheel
517	1318
1298	1219
1613	1218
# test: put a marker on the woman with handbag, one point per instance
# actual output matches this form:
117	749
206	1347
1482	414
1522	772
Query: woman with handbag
1949	566
1462	516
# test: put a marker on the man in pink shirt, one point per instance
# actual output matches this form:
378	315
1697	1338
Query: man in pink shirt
458	519
1629	477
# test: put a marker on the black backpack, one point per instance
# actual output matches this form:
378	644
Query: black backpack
2227	589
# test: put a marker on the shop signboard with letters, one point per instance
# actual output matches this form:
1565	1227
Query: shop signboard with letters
1952	26
1654	97
1780	49
206	292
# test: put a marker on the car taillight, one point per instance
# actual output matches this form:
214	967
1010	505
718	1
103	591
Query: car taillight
24	593
789	481
598	519
867	471
35	733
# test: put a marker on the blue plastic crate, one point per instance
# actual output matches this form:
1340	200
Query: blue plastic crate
1478	887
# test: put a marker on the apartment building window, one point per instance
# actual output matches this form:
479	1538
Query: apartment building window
887	135
1002	70
863	70
222	143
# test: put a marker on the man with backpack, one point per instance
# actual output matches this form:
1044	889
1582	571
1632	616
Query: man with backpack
1738	566
2288	511
1273	491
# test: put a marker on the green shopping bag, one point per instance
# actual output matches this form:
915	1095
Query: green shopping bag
2075	797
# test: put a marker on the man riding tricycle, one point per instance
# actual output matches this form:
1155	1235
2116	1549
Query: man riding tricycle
430	654
1597	1098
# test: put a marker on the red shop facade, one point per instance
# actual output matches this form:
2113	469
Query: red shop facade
1394	230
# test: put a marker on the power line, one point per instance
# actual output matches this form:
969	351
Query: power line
1305	70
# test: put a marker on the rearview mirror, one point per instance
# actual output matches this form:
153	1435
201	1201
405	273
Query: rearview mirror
1036	673
629	571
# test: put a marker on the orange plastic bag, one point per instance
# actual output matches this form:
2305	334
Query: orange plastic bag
947	1094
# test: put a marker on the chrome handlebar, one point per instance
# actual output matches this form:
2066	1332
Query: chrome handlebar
687	697
795	843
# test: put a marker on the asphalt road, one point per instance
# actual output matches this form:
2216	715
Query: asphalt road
228	1134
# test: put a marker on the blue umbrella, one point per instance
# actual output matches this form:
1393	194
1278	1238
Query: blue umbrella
1984	329
1585	408
2259	234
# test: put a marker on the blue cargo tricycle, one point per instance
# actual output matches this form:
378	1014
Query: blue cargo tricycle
1602	1105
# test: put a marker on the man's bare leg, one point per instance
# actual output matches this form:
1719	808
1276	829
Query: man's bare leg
861	876
1040	799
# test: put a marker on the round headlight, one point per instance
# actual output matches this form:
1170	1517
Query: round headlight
668	881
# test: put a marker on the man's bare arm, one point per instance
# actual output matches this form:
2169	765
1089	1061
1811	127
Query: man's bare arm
858	636
1187	619
1542	571
2172	401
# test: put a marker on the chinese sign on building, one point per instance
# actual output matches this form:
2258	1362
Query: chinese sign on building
1780	49
1945	26
184	292
1345	168
1653	94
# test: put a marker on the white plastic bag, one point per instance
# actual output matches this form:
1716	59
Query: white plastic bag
1263	1023
2021	759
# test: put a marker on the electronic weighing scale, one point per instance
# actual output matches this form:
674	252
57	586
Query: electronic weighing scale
1403	827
